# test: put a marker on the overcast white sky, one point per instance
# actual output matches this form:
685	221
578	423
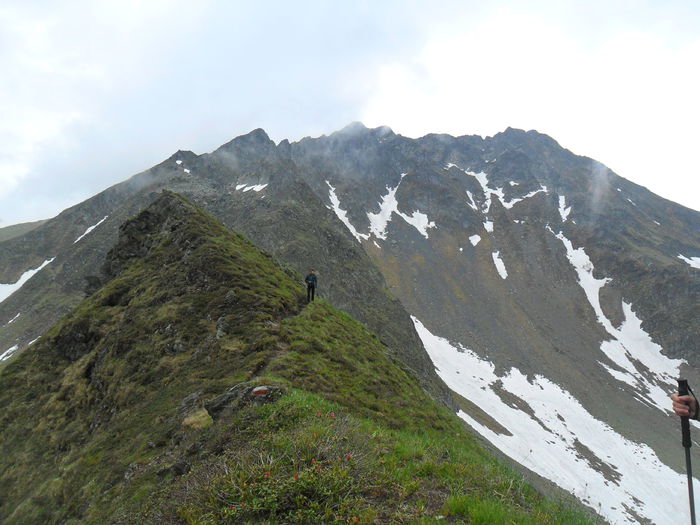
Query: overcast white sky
93	91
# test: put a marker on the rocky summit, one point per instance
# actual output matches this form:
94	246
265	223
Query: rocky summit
546	300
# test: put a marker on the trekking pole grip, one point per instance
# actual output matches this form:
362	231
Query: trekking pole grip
685	423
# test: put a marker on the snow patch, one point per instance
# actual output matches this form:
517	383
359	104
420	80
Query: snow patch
563	210
488	226
91	228
692	261
500	265
8	353
638	359
13	319
186	170
254	187
7	290
471	202
489	192
513	202
178	162
343	214
549	440
388	206
474	239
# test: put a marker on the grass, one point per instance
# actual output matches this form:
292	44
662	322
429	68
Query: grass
305	460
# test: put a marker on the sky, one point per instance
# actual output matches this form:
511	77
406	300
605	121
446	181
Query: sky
93	91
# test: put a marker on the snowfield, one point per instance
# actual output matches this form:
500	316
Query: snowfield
558	439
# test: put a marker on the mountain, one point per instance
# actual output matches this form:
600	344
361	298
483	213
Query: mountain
556	299
195	385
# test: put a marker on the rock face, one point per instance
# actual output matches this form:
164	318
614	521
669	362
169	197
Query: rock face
527	258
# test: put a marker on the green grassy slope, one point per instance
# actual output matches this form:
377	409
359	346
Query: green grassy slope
124	412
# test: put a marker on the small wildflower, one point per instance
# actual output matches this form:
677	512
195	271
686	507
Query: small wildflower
313	460
267	474
333	415
318	414
318	468
348	456
296	476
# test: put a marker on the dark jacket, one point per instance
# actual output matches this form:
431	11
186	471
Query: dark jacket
311	280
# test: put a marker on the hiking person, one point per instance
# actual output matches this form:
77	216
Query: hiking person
311	282
685	406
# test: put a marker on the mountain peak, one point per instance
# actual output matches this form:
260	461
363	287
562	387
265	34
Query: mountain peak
256	138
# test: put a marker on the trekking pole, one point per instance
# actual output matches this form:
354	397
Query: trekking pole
685	431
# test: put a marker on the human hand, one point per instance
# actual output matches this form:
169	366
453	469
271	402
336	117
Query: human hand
684	406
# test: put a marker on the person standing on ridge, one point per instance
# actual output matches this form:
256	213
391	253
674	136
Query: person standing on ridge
311	282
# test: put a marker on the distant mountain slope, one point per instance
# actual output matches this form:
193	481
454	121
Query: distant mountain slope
194	385
10	232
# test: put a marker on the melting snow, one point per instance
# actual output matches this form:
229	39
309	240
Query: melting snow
343	214
8	289
638	359
186	170
389	205
631	201
692	261
488	226
13	319
8	353
178	162
500	266
549	442
563	210
90	229
474	239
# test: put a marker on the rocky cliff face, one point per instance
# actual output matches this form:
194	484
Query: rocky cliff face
521	257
